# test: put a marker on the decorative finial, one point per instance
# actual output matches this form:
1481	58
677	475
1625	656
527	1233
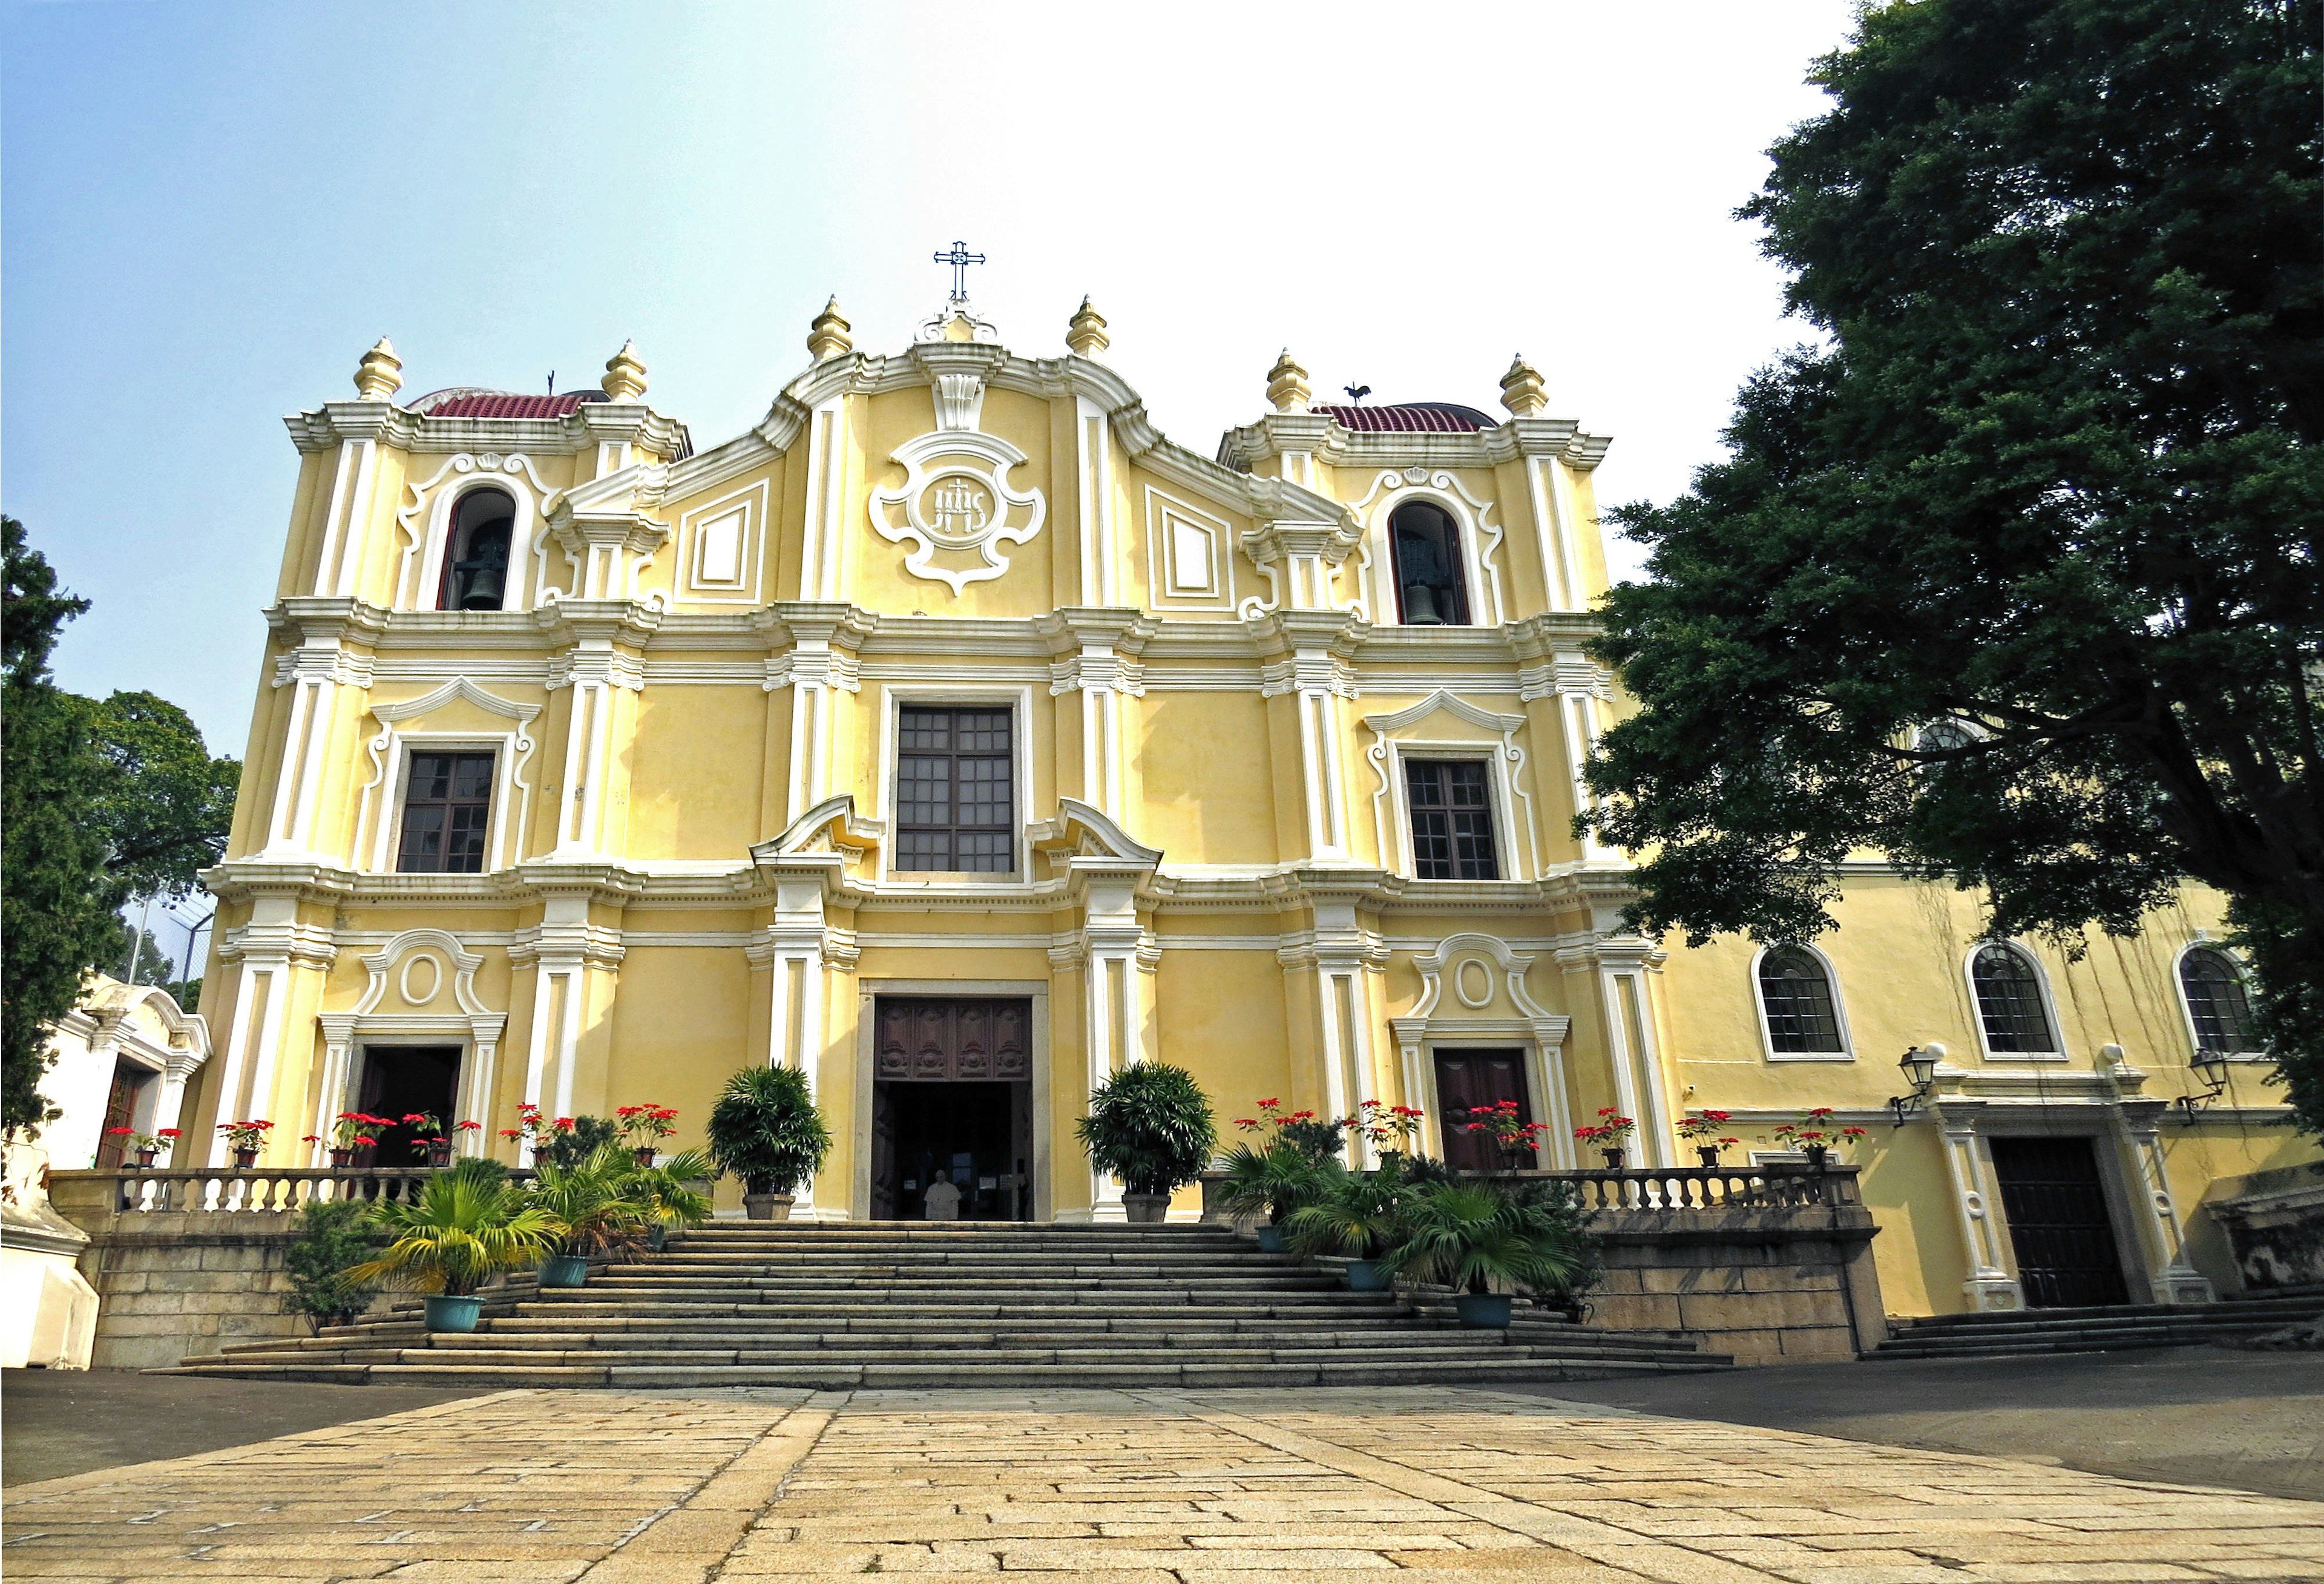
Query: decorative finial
1286	385
625	376
1522	391
379	376
827	336
1085	333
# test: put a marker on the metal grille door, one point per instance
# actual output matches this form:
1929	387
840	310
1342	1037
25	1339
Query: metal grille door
2067	1257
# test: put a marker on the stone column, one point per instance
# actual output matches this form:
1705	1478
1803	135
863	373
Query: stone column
799	951
2172	1277
279	965
1119	957
1618	967
1989	1286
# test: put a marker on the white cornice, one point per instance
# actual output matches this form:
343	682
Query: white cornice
581	430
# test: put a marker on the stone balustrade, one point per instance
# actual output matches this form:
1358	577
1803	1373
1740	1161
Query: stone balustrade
185	1260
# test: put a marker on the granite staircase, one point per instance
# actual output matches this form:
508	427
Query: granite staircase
914	1306
2095	1331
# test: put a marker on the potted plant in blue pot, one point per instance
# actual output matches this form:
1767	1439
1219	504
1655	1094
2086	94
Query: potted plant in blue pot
1151	1126
595	1211
1282	1173
1357	1214
671	1195
1473	1237
464	1227
766	1130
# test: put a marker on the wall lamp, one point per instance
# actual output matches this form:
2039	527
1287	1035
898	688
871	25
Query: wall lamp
1919	1066
2210	1069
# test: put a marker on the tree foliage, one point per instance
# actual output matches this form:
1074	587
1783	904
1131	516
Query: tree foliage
2014	574
100	802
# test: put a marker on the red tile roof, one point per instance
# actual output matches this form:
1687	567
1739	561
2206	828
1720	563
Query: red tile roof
1413	417
501	404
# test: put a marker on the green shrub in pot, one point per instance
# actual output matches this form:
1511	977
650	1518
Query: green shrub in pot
595	1213
1473	1237
670	1195
462	1228
766	1130
335	1236
1151	1126
1357	1214
1273	1180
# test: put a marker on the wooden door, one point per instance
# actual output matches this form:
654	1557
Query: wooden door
1469	1083
2051	1191
120	1105
941	1039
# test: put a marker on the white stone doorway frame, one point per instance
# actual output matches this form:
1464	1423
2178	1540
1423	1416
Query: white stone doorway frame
474	1028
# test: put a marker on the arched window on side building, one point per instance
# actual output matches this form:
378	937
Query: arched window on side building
2010	1003
1799	1006
2217	1003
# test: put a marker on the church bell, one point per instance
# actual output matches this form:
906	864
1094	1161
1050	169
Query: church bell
1420	606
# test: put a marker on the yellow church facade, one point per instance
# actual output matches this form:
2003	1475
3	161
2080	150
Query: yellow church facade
958	738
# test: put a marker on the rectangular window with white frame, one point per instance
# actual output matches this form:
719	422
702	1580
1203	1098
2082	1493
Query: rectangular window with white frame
955	789
447	822
1450	804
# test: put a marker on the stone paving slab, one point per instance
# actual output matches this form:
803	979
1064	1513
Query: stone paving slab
1433	1486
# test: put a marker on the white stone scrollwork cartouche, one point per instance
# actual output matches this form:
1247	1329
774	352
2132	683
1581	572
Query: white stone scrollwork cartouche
955	496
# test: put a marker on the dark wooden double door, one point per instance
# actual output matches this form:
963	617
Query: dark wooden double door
1469	1083
401	1081
2056	1202
952	1100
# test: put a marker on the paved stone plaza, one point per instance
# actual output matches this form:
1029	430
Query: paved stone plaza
1160	1487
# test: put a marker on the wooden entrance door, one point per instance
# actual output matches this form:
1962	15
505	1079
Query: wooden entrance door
120	1105
2067	1256
1475	1082
952	1098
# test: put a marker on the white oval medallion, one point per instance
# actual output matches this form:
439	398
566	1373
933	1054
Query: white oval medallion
1474	992
419	995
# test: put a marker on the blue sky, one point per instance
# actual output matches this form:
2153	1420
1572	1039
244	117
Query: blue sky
209	211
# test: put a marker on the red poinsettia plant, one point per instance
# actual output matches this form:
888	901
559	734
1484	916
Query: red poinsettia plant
357	1130
1387	1128
250	1135
1512	1135
1703	1124
1817	1132
1608	1130
642	1125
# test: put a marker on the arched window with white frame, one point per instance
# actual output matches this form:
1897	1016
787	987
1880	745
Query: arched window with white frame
1799	1004
2011	1008
476	552
2219	1006
1424	558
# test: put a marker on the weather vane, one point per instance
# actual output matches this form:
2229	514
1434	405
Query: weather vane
960	258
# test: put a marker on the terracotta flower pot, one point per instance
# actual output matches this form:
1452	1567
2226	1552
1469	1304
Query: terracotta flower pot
145	1158
1613	1159
766	1207
645	1154
244	1159
1146	1210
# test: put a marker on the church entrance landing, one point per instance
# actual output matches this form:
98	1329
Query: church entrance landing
952	1102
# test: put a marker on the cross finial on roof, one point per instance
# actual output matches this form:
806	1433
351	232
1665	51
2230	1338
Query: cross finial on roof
960	258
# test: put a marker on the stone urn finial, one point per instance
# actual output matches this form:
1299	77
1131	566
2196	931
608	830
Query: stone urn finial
827	336
625	376
1522	391
1085	333
1286	385
380	376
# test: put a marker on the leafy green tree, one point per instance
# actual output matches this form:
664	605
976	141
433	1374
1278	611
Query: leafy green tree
2014	574
59	903
100	802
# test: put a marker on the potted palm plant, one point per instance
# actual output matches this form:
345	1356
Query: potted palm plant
1470	1236
670	1194
1151	1126
1356	1214
462	1228
1275	1180
594	1211
766	1130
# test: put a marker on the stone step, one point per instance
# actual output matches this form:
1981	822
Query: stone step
2237	1314
834	1375
964	1307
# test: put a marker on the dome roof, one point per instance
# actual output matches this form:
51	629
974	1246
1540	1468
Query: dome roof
1410	418
475	401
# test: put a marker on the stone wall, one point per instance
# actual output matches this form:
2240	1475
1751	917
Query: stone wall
2273	1225
181	1279
1771	1264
